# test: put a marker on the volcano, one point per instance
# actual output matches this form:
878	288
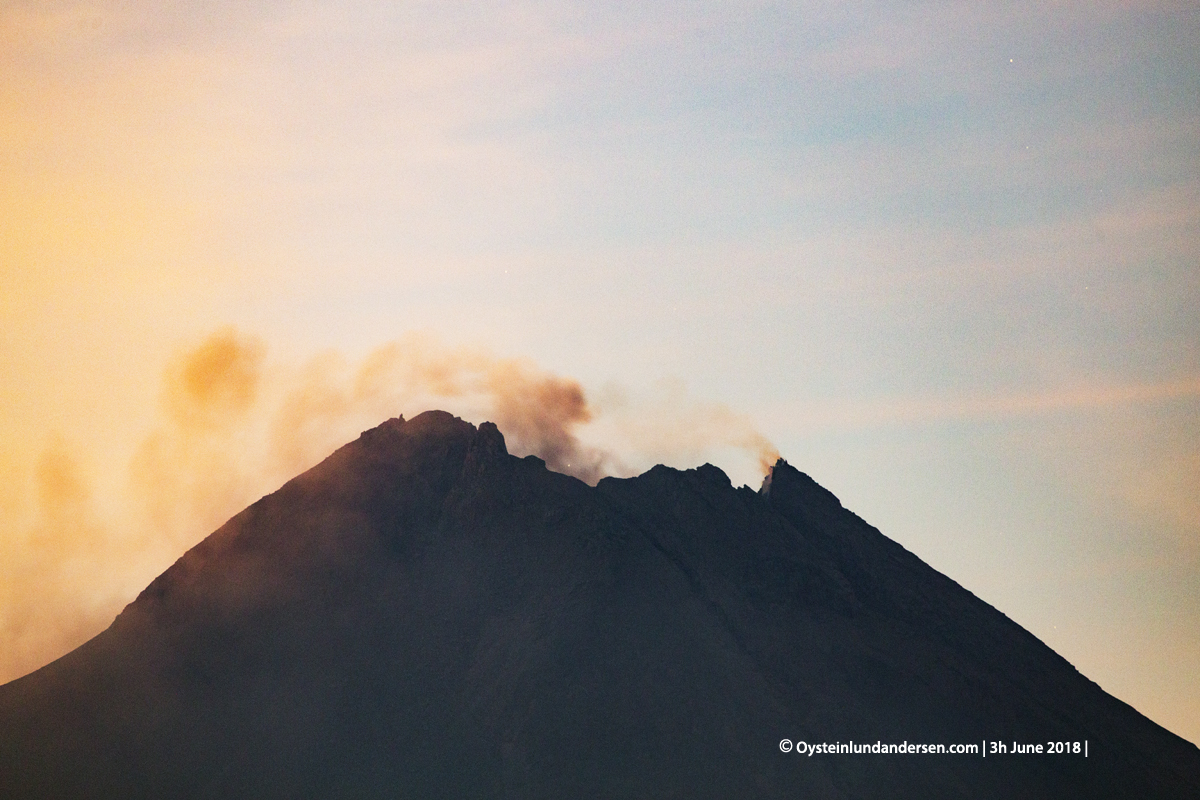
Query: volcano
424	615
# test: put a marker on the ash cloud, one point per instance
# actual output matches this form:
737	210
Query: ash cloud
232	427
54	591
215	384
198	467
539	412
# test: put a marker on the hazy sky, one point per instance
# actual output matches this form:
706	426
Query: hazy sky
946	257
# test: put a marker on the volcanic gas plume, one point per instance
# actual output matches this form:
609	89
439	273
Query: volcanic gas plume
234	425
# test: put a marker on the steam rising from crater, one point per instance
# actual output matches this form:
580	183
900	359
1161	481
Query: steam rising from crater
233	426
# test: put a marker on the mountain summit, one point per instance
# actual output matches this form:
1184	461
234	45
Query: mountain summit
424	615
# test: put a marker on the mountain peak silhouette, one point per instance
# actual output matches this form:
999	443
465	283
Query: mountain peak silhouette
425	615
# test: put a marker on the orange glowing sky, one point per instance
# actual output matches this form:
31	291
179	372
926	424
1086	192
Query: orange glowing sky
946	260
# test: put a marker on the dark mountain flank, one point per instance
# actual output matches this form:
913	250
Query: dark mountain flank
425	616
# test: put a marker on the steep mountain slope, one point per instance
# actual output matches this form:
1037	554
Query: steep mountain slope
424	615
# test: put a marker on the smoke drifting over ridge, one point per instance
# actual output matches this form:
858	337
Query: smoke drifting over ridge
539	412
233	426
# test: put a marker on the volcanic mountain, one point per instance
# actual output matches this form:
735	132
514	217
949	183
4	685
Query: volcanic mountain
423	615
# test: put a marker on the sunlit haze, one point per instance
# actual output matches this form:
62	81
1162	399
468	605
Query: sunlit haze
945	259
